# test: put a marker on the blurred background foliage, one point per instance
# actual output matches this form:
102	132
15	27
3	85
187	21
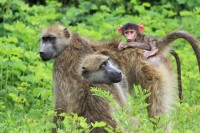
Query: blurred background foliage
26	98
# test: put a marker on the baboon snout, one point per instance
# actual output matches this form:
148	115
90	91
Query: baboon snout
116	77
44	56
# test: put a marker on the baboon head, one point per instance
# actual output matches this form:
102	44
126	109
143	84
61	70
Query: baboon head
97	68
54	40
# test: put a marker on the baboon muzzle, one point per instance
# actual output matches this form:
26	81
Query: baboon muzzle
44	57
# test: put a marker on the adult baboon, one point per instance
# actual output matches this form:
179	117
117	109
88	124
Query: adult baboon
98	69
68	48
135	38
72	93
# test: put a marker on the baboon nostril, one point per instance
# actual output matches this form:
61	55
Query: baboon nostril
41	53
119	72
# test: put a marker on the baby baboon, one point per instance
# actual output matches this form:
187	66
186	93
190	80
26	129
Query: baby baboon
72	93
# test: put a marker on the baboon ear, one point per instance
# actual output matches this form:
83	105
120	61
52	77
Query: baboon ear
67	34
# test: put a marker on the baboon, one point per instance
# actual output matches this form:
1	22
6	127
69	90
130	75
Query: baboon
159	80
98	69
136	39
72	93
68	48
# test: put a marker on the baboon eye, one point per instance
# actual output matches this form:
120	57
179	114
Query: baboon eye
129	32
126	32
84	71
52	38
45	39
103	65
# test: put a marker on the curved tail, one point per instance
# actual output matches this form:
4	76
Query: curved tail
178	63
165	42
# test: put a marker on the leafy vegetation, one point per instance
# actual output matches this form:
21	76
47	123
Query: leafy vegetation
26	98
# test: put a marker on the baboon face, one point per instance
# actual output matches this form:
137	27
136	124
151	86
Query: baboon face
54	40
100	69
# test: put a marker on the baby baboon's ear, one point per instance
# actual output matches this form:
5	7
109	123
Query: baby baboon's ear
67	34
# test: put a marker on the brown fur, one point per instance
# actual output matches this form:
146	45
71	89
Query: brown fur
91	63
72	94
118	90
164	42
140	71
144	41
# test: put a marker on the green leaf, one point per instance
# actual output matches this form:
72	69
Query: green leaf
186	13
98	124
37	92
146	4
181	1
93	7
104	8
84	125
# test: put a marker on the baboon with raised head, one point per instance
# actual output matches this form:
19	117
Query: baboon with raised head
68	48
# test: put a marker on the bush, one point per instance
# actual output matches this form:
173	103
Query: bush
26	103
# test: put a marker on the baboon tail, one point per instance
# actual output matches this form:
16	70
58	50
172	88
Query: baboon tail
178	65
166	40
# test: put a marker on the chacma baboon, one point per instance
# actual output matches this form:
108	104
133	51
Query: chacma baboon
159	80
132	33
135	39
68	48
72	93
153	45
100	71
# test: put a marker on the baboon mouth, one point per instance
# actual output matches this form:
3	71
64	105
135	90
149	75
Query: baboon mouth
45	58
118	79
129	40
